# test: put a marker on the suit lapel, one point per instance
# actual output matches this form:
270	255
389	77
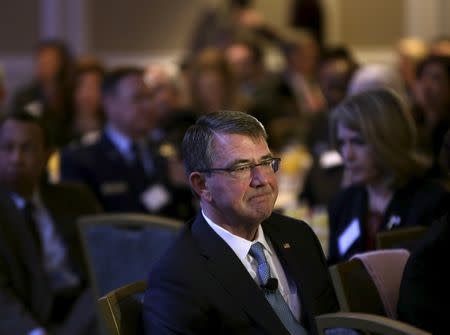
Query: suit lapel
226	267
35	281
57	209
64	223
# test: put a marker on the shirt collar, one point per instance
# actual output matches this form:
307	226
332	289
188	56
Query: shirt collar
120	141
123	143
239	245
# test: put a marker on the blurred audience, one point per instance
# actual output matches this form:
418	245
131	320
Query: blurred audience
165	99
123	167
217	26
440	46
172	119
213	87
51	88
302	53
424	292
336	70
88	117
410	52
373	76
325	176
43	278
308	14
286	102
375	135
120	134
246	60
432	111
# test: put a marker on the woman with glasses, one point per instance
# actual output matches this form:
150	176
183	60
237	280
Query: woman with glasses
376	138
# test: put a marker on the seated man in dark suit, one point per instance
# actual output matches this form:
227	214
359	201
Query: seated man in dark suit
123	168
43	285
237	268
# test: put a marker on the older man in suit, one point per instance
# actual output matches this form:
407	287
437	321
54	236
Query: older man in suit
124	169
43	284
237	268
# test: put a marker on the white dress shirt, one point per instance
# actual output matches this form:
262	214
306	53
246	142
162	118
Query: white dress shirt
241	247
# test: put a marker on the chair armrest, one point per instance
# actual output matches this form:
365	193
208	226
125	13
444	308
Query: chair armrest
366	322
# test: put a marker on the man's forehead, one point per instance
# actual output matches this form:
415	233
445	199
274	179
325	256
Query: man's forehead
226	138
239	146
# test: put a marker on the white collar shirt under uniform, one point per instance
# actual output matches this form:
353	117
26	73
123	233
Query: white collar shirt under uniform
124	145
241	248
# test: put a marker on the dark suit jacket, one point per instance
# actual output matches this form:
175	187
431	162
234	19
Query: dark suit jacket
25	295
104	170
425	292
201	287
416	204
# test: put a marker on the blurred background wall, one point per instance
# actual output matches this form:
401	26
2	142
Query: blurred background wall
143	30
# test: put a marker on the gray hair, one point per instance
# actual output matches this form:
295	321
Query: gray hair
198	142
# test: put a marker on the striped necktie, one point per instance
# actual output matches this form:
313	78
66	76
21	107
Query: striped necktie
274	296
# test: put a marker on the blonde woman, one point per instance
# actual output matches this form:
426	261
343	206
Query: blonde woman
376	138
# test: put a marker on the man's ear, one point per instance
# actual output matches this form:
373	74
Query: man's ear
198	183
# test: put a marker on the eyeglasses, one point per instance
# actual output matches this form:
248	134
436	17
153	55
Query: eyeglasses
244	171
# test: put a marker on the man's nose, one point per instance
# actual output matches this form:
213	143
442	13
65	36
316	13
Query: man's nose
259	176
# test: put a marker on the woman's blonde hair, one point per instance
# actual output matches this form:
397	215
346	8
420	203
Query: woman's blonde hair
387	128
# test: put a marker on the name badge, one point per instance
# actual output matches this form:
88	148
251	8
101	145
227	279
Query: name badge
394	221
330	159
155	197
114	188
349	236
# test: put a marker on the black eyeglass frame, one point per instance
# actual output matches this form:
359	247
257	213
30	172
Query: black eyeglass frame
274	164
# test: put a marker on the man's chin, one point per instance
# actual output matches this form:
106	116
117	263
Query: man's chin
262	213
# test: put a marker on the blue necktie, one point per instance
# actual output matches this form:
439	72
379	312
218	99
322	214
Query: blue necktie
274	297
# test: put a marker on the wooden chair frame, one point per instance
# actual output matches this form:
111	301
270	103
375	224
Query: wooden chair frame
367	323
110	310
